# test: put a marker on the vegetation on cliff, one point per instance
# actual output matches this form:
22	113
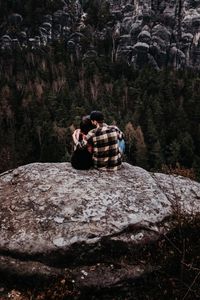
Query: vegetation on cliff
62	69
44	92
177	275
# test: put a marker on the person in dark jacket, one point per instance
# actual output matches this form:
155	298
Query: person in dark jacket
82	156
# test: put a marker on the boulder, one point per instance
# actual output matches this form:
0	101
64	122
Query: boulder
57	220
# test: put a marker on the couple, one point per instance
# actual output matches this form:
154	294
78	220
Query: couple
97	144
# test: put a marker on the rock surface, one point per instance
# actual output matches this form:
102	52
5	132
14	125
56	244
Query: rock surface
55	219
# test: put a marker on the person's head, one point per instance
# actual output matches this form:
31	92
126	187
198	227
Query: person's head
96	117
86	124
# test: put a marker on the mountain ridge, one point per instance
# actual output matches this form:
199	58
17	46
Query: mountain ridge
155	33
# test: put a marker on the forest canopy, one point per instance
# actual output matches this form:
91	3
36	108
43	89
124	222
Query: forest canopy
43	97
59	73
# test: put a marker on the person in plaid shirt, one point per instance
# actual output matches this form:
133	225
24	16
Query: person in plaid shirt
104	139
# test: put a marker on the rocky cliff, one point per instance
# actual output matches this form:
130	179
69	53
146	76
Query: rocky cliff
59	221
151	32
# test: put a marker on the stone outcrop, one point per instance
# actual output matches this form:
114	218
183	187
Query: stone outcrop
57	220
155	33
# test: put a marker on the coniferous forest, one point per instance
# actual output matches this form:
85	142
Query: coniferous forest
139	63
45	90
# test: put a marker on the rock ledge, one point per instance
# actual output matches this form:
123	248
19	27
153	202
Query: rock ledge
55	219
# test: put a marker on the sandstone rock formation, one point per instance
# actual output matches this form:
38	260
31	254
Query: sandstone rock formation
56	220
156	33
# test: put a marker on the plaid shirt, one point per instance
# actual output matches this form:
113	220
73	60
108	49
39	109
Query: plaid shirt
106	154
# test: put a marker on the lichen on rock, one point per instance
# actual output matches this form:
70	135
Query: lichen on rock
56	215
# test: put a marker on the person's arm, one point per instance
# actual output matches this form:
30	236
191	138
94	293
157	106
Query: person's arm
89	137
120	135
119	132
75	136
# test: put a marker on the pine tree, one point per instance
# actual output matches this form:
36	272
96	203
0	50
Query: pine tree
186	149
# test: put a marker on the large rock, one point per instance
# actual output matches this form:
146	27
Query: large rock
55	219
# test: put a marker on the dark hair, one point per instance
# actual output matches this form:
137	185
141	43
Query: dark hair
96	116
86	125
